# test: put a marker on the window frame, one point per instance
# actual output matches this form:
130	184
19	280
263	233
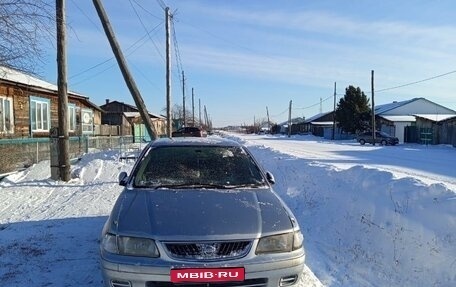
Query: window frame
42	124
72	117
87	128
6	113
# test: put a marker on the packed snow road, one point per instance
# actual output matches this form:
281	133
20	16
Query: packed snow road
430	164
371	216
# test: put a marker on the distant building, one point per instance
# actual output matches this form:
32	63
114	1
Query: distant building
296	126
317	124
129	119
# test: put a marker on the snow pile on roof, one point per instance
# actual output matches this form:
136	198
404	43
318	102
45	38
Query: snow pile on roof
12	75
436	117
19	77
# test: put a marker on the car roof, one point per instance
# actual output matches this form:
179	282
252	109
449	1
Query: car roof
194	141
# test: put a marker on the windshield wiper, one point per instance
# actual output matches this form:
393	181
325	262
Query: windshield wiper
193	185
210	185
246	185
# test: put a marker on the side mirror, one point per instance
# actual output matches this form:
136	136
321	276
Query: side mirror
123	177
270	177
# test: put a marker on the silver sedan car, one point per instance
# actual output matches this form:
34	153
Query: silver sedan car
200	212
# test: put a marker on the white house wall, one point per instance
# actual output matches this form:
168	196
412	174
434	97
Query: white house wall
400	130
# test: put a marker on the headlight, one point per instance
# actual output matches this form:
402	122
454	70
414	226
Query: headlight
109	243
133	246
298	239
280	243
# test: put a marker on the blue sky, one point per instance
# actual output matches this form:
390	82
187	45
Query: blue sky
243	56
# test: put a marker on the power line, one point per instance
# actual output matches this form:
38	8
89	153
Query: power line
147	11
386	89
91	68
314	105
176	50
161	4
92	76
147	78
104	62
416	82
134	46
278	115
87	16
144	26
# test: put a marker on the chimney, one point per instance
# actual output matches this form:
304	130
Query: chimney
107	101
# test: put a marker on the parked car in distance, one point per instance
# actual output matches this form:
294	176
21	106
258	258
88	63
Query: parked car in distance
189	132
380	138
200	212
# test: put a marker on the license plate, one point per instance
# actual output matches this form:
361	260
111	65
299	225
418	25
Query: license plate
207	275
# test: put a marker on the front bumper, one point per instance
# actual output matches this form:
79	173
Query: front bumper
265	271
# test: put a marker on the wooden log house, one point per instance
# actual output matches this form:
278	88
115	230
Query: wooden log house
29	108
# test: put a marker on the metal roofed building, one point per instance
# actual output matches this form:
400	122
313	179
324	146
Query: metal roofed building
393	118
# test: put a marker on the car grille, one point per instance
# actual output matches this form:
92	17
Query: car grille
262	282
208	251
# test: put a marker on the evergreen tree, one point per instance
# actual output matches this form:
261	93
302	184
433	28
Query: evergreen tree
353	111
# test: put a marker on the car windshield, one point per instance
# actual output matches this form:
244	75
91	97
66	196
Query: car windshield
198	167
383	134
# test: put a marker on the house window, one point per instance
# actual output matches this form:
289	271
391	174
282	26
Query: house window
6	115
72	117
87	121
40	114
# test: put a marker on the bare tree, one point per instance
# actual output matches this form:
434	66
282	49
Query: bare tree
24	24
177	115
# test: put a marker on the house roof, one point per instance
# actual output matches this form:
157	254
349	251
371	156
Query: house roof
137	114
412	118
322	123
316	117
399	118
14	76
435	117
380	109
385	108
11	75
133	114
294	121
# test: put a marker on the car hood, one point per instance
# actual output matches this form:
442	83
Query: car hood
199	214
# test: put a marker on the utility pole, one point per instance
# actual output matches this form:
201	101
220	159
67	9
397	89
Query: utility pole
169	128
254	124
199	103
206	120
183	97
193	108
64	159
334	114
373	108
269	122
124	69
321	105
289	120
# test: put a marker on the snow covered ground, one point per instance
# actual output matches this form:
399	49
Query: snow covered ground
371	216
